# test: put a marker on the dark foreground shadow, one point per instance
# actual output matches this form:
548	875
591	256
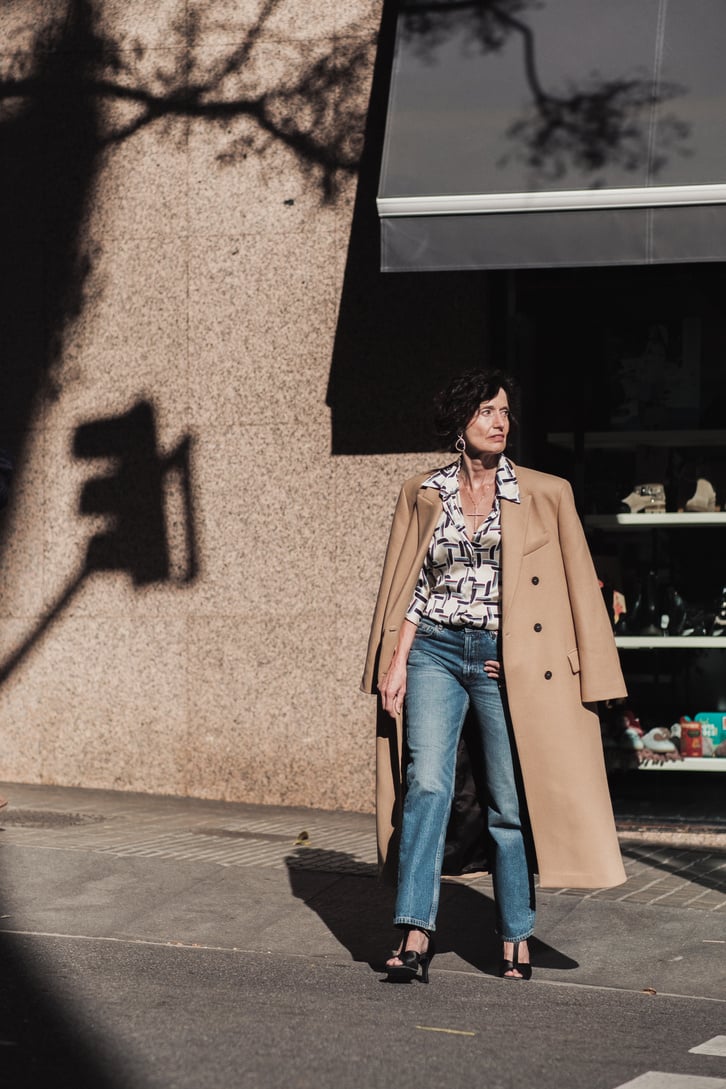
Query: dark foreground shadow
357	909
40	1045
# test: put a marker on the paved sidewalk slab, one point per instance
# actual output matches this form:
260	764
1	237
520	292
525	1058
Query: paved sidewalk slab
298	882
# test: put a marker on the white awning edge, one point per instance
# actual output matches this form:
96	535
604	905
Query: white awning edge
563	201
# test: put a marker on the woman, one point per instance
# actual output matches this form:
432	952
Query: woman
489	603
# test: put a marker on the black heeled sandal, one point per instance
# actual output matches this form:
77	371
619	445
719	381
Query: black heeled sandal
525	970
411	961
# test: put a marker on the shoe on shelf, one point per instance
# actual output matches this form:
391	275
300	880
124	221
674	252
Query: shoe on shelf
515	965
649	616
625	729
719	621
631	739
703	499
659	740
696	622
632	722
412	959
675	607
645	499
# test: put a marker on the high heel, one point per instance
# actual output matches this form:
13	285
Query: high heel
411	961
703	500
525	970
718	626
644	499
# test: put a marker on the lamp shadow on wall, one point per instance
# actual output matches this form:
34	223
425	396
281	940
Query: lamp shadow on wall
146	500
67	100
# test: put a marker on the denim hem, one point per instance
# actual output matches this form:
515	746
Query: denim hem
521	938
407	920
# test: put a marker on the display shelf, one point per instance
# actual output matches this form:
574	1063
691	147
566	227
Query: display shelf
647	667
688	763
654	521
667	642
610	440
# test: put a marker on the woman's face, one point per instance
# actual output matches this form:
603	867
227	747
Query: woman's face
487	430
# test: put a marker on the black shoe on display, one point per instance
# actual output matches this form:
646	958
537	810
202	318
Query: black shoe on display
719	621
648	614
675	607
695	622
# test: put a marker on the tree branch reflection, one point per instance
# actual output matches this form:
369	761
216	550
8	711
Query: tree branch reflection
314	108
587	124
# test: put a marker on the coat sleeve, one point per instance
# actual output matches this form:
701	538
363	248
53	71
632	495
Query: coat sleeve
399	527
601	677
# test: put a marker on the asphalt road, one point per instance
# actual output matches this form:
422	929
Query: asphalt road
163	944
109	1013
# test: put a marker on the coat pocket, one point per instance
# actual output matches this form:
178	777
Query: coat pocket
539	541
574	659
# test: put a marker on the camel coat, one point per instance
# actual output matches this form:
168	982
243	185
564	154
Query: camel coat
558	657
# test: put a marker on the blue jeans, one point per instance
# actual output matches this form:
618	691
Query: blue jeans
445	677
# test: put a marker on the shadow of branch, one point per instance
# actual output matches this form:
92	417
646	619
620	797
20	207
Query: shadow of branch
315	109
588	123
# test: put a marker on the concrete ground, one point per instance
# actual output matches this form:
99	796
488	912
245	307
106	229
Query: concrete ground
153	941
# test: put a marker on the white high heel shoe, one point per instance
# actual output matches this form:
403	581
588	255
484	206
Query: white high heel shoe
703	499
645	499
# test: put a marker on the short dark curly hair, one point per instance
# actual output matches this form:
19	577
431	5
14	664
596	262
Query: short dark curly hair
455	405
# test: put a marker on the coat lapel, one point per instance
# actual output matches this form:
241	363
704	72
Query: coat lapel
429	506
515	517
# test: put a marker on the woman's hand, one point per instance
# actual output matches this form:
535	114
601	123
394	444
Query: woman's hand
392	687
392	684
492	669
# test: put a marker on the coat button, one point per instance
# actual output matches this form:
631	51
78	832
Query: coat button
535	580
538	627
548	675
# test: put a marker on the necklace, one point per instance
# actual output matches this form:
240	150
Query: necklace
476	513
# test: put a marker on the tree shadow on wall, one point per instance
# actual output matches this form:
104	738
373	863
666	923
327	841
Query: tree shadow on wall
70	92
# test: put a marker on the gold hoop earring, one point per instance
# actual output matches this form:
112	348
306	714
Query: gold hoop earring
460	444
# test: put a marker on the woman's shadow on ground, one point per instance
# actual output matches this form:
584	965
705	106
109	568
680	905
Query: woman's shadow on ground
357	908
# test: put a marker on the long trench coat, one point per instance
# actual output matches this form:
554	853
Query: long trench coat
558	657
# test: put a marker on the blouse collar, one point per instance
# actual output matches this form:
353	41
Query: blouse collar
446	482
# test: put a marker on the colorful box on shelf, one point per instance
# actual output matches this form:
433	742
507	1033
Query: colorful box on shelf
713	725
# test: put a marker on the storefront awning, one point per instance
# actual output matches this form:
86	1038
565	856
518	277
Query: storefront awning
545	133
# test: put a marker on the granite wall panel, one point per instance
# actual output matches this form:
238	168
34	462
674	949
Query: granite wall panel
193	376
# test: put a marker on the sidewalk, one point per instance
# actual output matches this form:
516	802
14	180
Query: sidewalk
139	868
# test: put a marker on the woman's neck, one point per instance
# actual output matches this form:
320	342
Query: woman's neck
481	470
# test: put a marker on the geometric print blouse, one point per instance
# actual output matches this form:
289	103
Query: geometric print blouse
459	583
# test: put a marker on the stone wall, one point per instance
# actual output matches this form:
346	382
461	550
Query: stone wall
178	211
